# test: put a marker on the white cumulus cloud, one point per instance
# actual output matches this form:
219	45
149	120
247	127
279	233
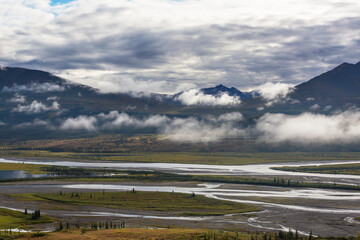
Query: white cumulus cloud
309	128
193	130
17	98
197	97
275	91
36	107
80	123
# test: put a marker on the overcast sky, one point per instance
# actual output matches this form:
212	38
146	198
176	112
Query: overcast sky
168	45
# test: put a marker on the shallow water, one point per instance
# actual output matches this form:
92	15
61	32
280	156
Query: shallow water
225	192
251	169
19	174
231	194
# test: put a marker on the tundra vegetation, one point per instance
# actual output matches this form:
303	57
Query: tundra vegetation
350	169
99	175
178	203
10	219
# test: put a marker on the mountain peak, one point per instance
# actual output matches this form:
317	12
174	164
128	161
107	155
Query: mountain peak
219	89
337	85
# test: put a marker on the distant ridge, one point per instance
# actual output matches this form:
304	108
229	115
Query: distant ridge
22	76
230	91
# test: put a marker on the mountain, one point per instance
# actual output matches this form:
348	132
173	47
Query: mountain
338	86
22	76
27	94
230	91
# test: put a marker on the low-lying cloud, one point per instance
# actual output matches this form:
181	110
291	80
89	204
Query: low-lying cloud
35	87
114	120
197	97
275	92
17	98
191	129
306	128
36	107
80	123
310	128
35	123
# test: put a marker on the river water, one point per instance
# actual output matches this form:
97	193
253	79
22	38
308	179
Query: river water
238	170
229	192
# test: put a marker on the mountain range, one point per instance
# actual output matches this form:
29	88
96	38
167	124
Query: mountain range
27	95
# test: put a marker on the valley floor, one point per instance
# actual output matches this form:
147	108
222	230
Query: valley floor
322	211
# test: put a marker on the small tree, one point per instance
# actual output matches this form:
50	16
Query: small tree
61	227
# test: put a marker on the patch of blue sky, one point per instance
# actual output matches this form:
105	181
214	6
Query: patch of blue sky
59	2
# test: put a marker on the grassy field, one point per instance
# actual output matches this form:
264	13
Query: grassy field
220	158
30	168
178	203
166	177
350	169
14	219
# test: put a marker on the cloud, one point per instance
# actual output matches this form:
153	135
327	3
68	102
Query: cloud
327	108
306	128
309	99
52	98
274	92
314	107
310	128
197	97
36	107
17	98
202	42
120	120
80	123
112	120
231	117
35	123
114	82
35	87
192	130
2	123
39	4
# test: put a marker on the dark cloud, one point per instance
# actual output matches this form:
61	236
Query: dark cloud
238	53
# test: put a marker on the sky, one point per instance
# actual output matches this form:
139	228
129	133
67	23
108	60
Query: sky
169	46
58	2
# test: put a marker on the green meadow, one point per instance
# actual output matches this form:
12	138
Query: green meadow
10	219
177	203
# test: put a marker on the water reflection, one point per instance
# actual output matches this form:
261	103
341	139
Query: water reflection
19	174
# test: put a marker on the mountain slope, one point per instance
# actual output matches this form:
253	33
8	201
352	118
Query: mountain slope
22	76
338	86
27	94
